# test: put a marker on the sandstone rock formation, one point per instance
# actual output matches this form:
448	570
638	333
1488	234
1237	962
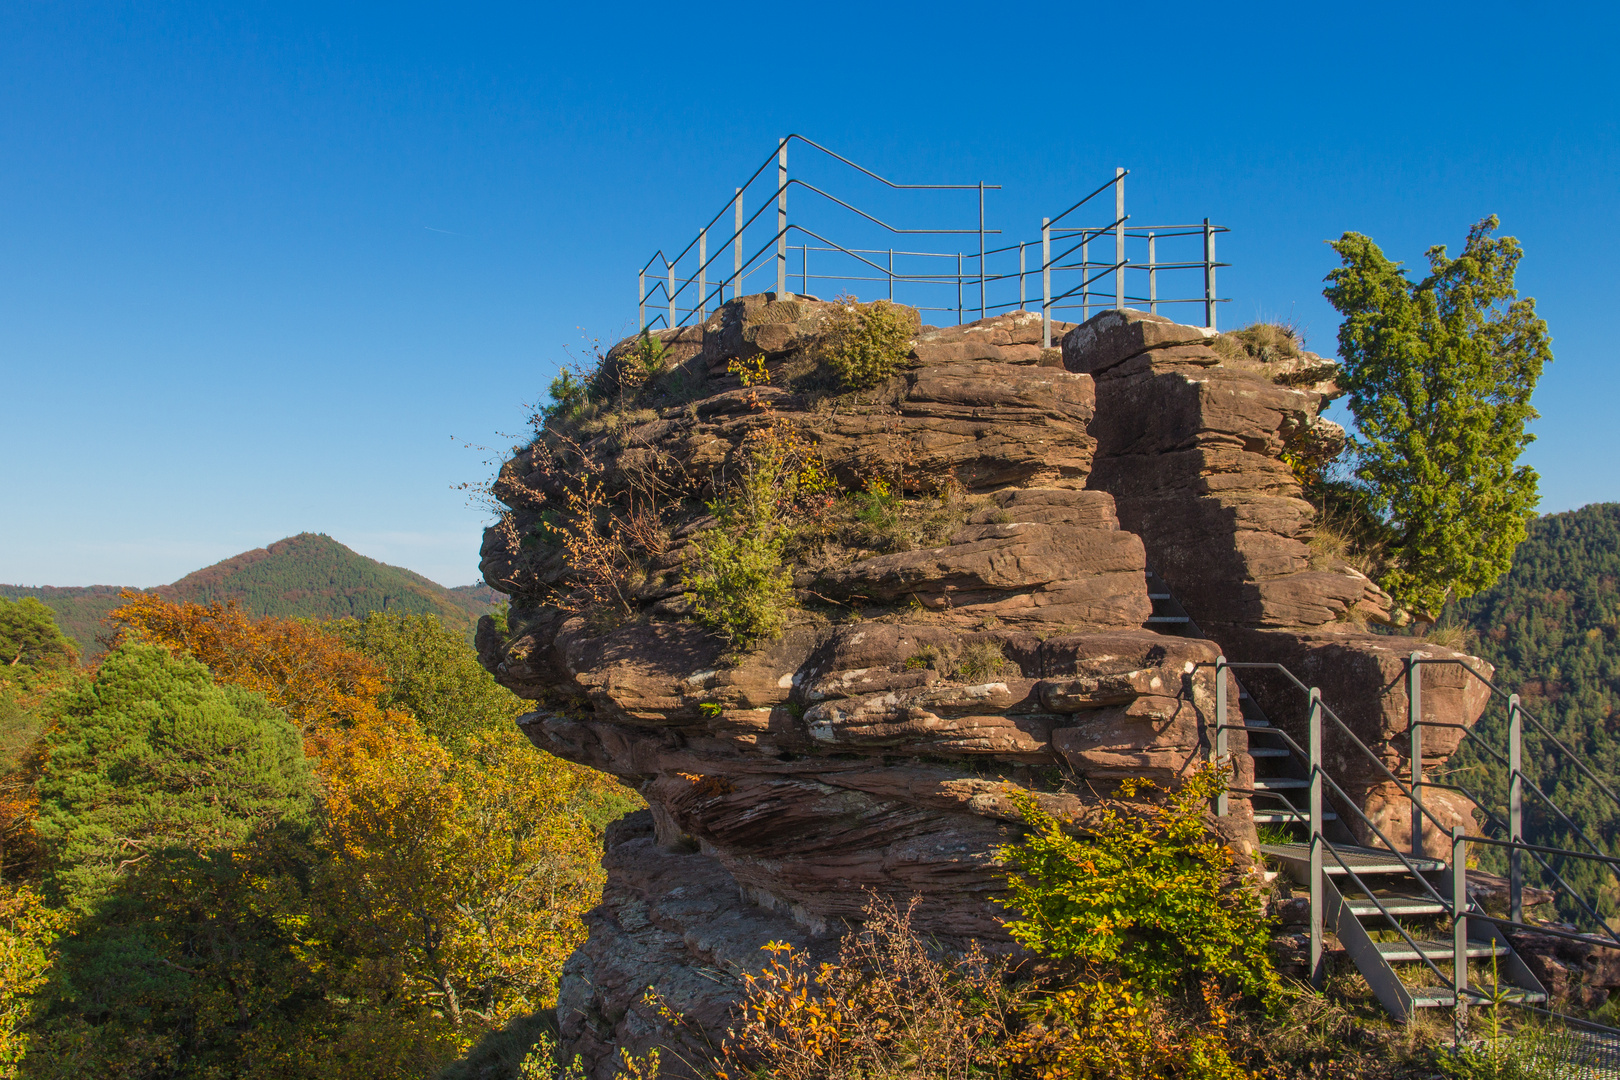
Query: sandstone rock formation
1001	641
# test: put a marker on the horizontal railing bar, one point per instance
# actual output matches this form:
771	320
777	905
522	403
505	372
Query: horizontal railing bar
1537	928
1520	845
1575	759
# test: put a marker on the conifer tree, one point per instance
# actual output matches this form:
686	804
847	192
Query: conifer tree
1440	374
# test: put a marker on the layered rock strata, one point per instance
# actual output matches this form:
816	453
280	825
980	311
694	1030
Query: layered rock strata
875	746
1192	445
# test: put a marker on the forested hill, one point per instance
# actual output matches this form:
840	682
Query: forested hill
1551	624
305	576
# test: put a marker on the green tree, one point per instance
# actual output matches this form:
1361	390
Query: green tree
152	755
1439	375
174	814
29	636
432	673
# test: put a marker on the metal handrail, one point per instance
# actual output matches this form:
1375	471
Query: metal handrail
970	265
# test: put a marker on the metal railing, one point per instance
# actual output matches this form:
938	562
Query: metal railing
1508	821
1461	910
1148	266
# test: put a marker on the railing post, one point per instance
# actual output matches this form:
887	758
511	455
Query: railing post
1153	280
1515	810
804	268
641	298
959	319
1021	275
981	249
669	288
1318	970
703	274
1119	238
781	218
1414	730
891	275
1209	276
1220	729
736	250
1085	277
1459	921
1046	283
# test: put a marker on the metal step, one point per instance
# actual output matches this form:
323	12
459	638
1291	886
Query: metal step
1270	751
1439	997
1398	905
1290	817
1361	860
1280	783
1399	952
1158	596
1168	619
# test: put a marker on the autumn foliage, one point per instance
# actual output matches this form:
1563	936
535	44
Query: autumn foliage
299	667
420	887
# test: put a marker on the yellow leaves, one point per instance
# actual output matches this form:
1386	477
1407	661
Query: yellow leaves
28	934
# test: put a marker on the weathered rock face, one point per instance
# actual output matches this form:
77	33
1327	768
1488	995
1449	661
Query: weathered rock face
874	745
1191	445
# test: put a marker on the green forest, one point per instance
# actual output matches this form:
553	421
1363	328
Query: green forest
308	576
1551	627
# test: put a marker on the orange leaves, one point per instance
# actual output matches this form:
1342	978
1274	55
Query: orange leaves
297	666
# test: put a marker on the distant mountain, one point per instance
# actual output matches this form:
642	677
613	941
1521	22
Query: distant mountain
305	576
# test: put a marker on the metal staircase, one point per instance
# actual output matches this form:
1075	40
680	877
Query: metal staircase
1404	918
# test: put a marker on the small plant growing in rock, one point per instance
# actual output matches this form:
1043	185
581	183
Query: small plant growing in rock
734	576
980	660
1262	341
865	344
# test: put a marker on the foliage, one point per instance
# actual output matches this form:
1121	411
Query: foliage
1439	375
430	673
298	667
429	897
165	807
1108	1031
28	932
153	756
733	575
29	636
568	392
735	580
887	1008
466	876
1551	627
865	344
1149	892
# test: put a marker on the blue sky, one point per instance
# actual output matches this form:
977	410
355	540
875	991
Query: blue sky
269	269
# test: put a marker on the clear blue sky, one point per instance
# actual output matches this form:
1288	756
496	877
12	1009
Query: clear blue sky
265	268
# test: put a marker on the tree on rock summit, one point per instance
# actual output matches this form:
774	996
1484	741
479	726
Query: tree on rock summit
1439	374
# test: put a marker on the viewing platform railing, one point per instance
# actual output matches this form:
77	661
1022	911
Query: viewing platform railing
1147	266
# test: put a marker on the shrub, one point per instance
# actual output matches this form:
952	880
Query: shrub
890	1007
736	583
1149	892
1100	1028
866	344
